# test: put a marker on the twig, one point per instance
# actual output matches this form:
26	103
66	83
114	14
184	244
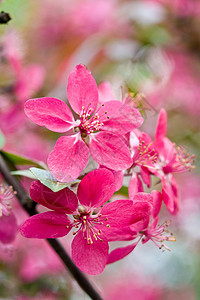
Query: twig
29	206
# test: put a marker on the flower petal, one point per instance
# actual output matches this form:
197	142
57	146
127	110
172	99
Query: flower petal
46	225
118	117
118	177
161	128
120	253
118	213
96	188
140	225
52	113
135	185
140	211
110	151
68	159
90	258
82	90
157	201
8	228
145	175
143	197
64	201
170	194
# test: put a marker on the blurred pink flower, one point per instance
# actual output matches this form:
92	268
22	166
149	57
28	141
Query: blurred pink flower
132	286
178	87
8	224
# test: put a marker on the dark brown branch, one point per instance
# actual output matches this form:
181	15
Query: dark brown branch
29	206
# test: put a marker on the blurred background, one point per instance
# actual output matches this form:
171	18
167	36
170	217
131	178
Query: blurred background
150	48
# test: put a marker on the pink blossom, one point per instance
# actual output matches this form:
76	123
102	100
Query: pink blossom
28	81
42	260
8	225
172	159
94	225
131	285
178	86
99	131
144	157
146	229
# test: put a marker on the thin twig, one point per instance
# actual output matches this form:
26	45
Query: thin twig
29	206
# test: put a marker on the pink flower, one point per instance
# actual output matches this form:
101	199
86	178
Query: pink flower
8	224
28	81
100	129
94	225
144	157
146	229
172	159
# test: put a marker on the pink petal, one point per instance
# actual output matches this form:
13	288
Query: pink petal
118	117
90	258
8	228
46	225
161	128
110	151
157	201
116	234
170	194
118	177
96	188
135	185
118	213
82	90
143	197
140	211
145	175
69	158
64	201
52	113
120	253
140	225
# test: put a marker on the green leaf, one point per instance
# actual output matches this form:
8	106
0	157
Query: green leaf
21	160
26	173
46	178
123	191
2	140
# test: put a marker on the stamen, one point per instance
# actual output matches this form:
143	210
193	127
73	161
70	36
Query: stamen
145	154
158	235
89	125
87	221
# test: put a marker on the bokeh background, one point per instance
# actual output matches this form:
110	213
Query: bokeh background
150	48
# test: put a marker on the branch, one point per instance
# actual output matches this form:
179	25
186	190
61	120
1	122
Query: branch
29	206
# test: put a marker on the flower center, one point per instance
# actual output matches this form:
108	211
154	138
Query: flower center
145	155
89	124
90	224
182	161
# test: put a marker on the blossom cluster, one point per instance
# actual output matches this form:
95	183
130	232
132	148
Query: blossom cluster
106	132
114	179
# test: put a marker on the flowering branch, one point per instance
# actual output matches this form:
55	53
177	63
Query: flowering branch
29	206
